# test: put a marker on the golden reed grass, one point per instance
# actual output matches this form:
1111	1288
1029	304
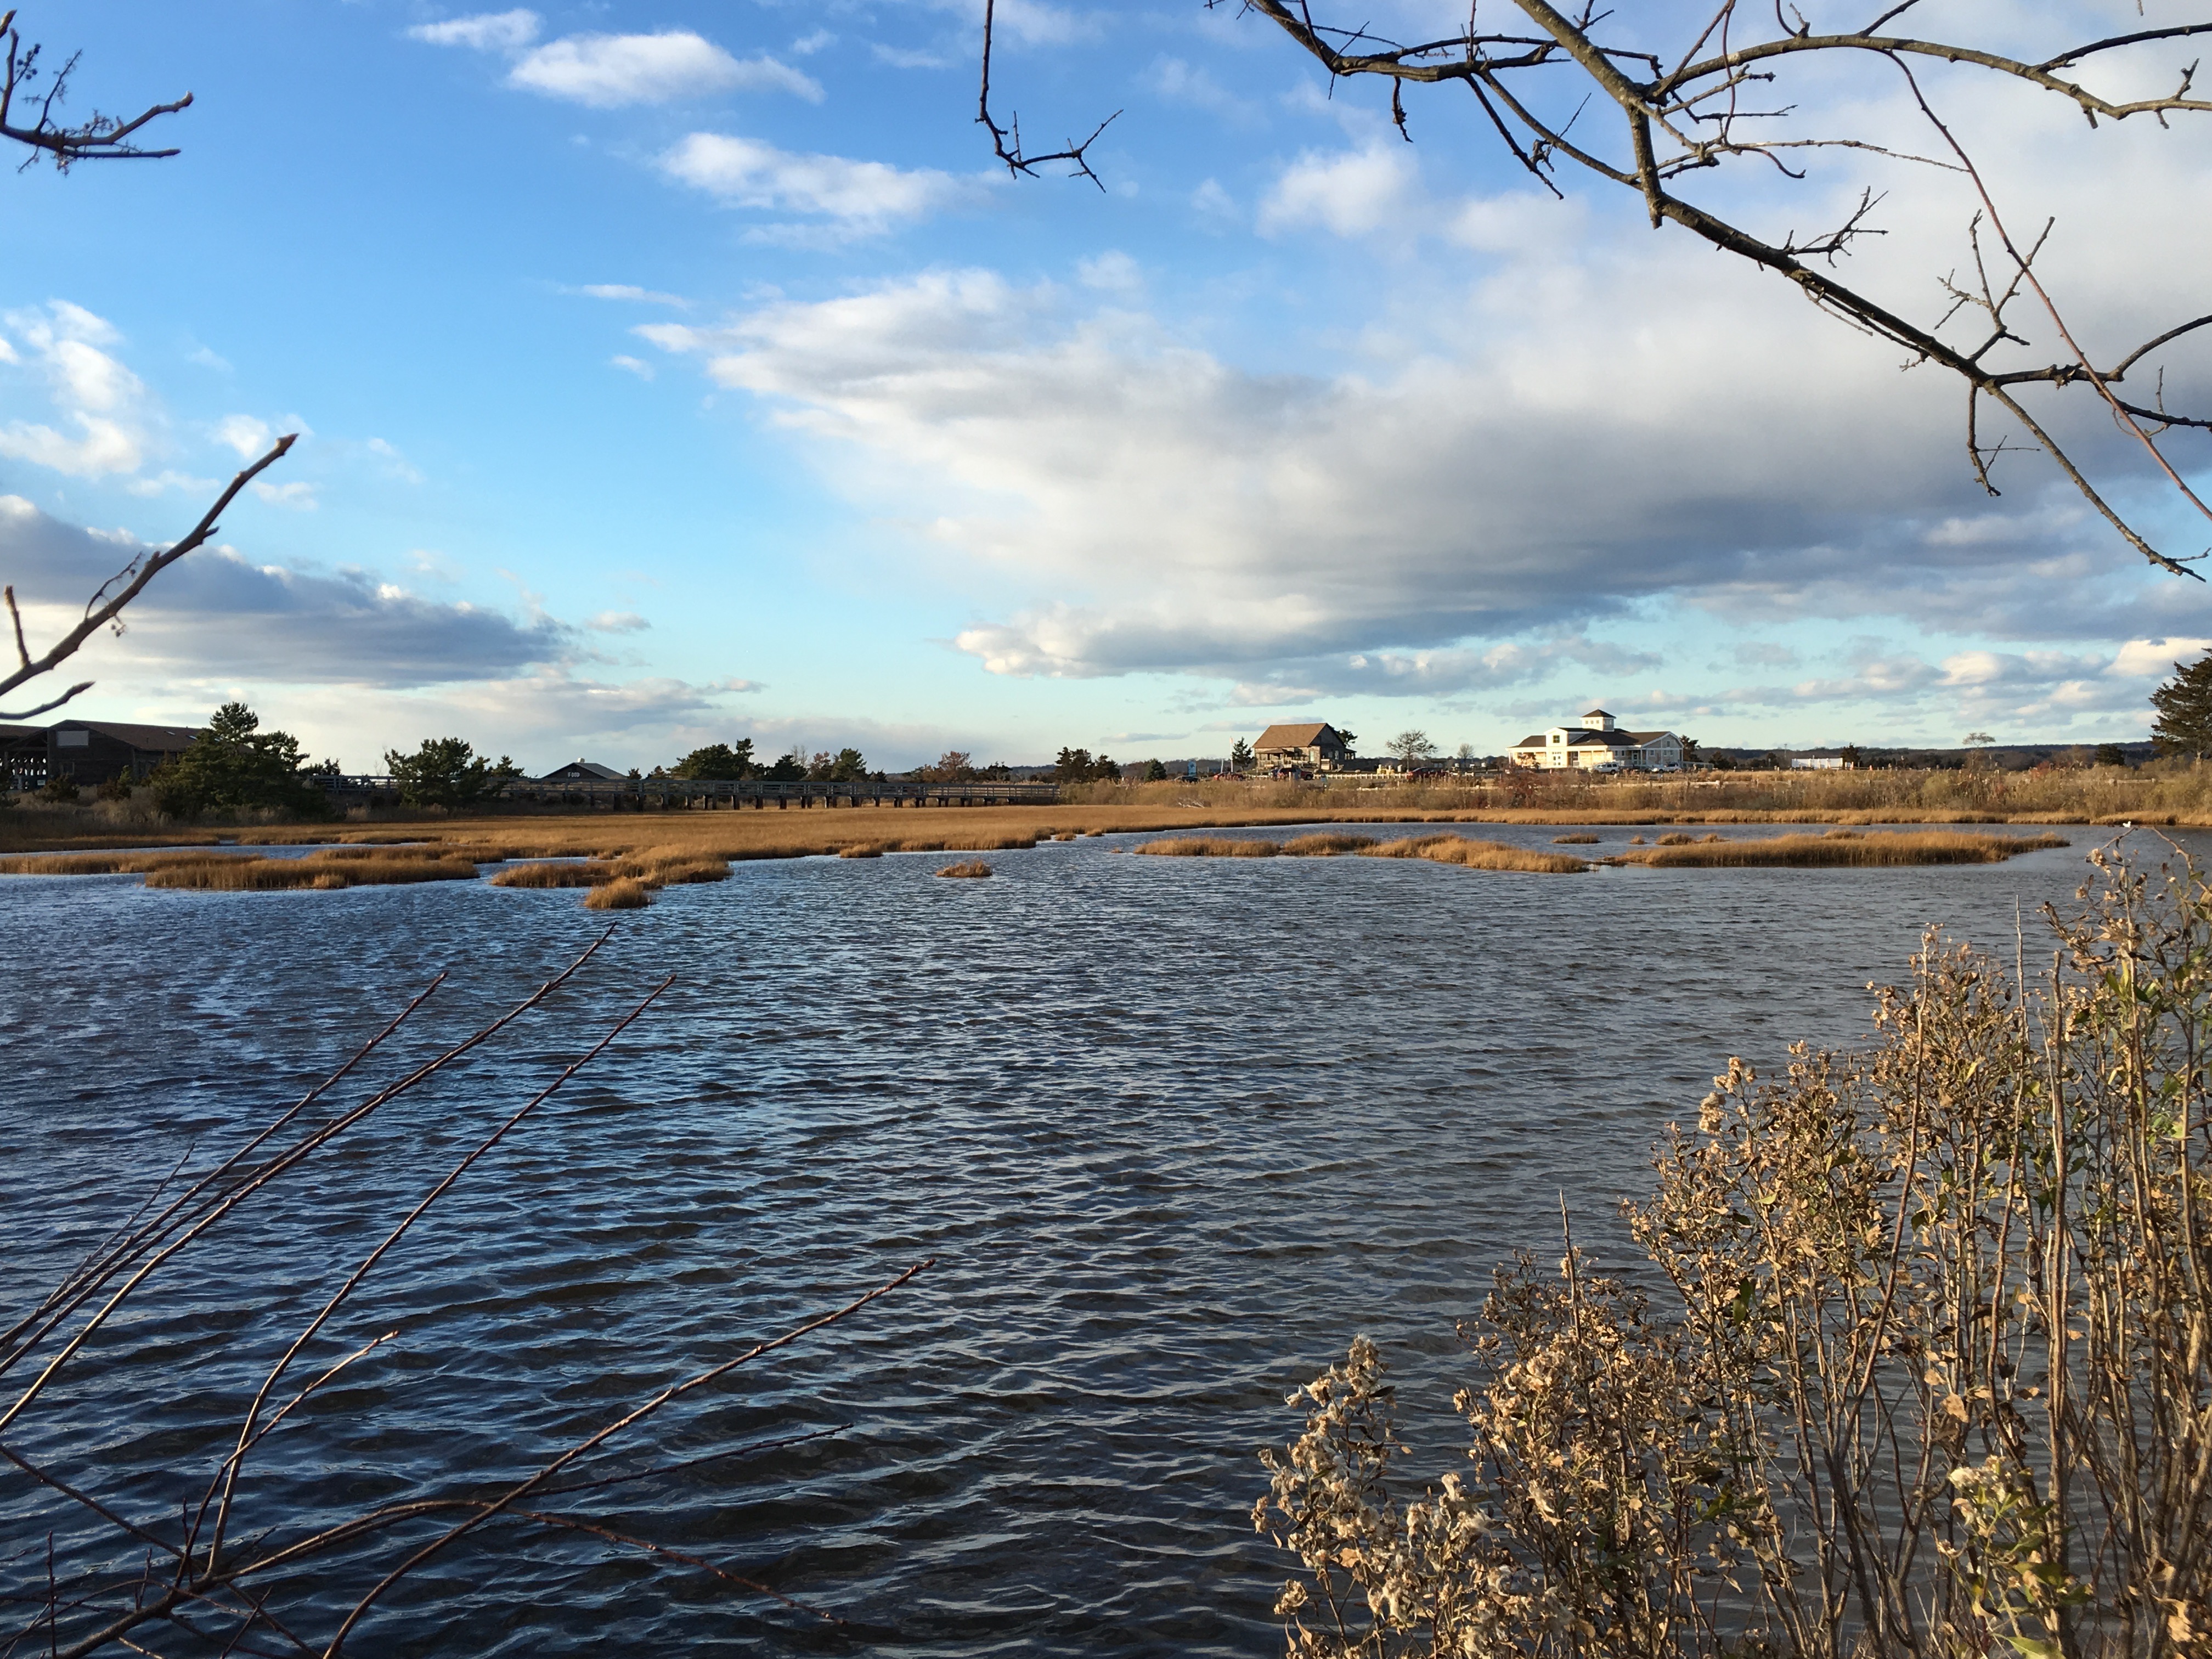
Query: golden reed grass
1437	849
970	868
320	872
623	893
1897	847
1577	840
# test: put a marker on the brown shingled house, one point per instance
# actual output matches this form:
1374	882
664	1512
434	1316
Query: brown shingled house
1321	746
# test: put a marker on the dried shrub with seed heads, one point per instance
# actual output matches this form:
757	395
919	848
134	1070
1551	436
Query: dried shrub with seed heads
1927	1370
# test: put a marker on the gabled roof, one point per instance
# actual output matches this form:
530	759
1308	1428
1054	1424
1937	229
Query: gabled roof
1580	737
589	768
1296	737
168	739
1593	713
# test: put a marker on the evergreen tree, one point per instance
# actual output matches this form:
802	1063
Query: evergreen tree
728	761
1240	755
234	765
1154	773
447	772
789	769
2183	725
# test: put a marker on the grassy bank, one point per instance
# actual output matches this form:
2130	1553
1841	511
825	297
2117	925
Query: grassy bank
2169	794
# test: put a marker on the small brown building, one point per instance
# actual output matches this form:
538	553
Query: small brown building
1320	746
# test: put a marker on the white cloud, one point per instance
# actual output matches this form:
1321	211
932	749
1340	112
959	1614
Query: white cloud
161	482
2155	658
639	295
491	31
807	44
607	70
1351	193
106	408
297	493
859	198
248	436
618	621
631	364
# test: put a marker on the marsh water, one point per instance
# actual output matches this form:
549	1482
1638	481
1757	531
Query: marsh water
1172	1131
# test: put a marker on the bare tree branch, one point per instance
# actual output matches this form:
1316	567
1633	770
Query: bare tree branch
1006	141
1694	117
97	139
118	590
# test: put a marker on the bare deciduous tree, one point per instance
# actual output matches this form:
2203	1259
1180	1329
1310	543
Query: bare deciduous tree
1709	102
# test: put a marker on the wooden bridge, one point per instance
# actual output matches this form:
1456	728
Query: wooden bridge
704	794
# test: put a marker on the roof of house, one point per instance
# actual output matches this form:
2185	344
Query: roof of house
589	768
167	738
1595	713
1584	738
1295	737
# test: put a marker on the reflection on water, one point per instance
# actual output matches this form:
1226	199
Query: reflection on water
1174	1130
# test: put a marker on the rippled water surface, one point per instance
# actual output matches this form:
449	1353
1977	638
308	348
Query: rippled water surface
1174	1130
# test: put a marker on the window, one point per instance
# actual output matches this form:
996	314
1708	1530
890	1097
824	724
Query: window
73	740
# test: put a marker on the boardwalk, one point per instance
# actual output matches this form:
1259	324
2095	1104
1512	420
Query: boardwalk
702	794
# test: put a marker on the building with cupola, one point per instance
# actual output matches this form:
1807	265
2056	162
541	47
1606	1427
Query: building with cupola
1596	743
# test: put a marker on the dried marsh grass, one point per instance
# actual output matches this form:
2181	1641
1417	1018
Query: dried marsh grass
866	849
623	893
970	868
1473	855
553	875
318	872
1896	847
1325	846
1574	841
1210	847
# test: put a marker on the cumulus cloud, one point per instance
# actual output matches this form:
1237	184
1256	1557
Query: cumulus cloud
858	198
105	410
607	71
1349	192
216	614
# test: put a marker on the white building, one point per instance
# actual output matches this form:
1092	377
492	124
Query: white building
1596	744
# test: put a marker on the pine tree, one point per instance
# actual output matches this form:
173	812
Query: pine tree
2183	725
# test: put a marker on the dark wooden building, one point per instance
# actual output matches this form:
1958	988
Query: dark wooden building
90	752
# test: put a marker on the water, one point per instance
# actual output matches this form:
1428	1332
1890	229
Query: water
1172	1130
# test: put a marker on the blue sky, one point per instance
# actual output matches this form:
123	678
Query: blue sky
677	372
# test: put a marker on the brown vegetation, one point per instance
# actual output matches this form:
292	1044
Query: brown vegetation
1474	854
321	871
623	893
1437	849
1325	846
1576	840
1211	846
1904	847
1920	1366
968	868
